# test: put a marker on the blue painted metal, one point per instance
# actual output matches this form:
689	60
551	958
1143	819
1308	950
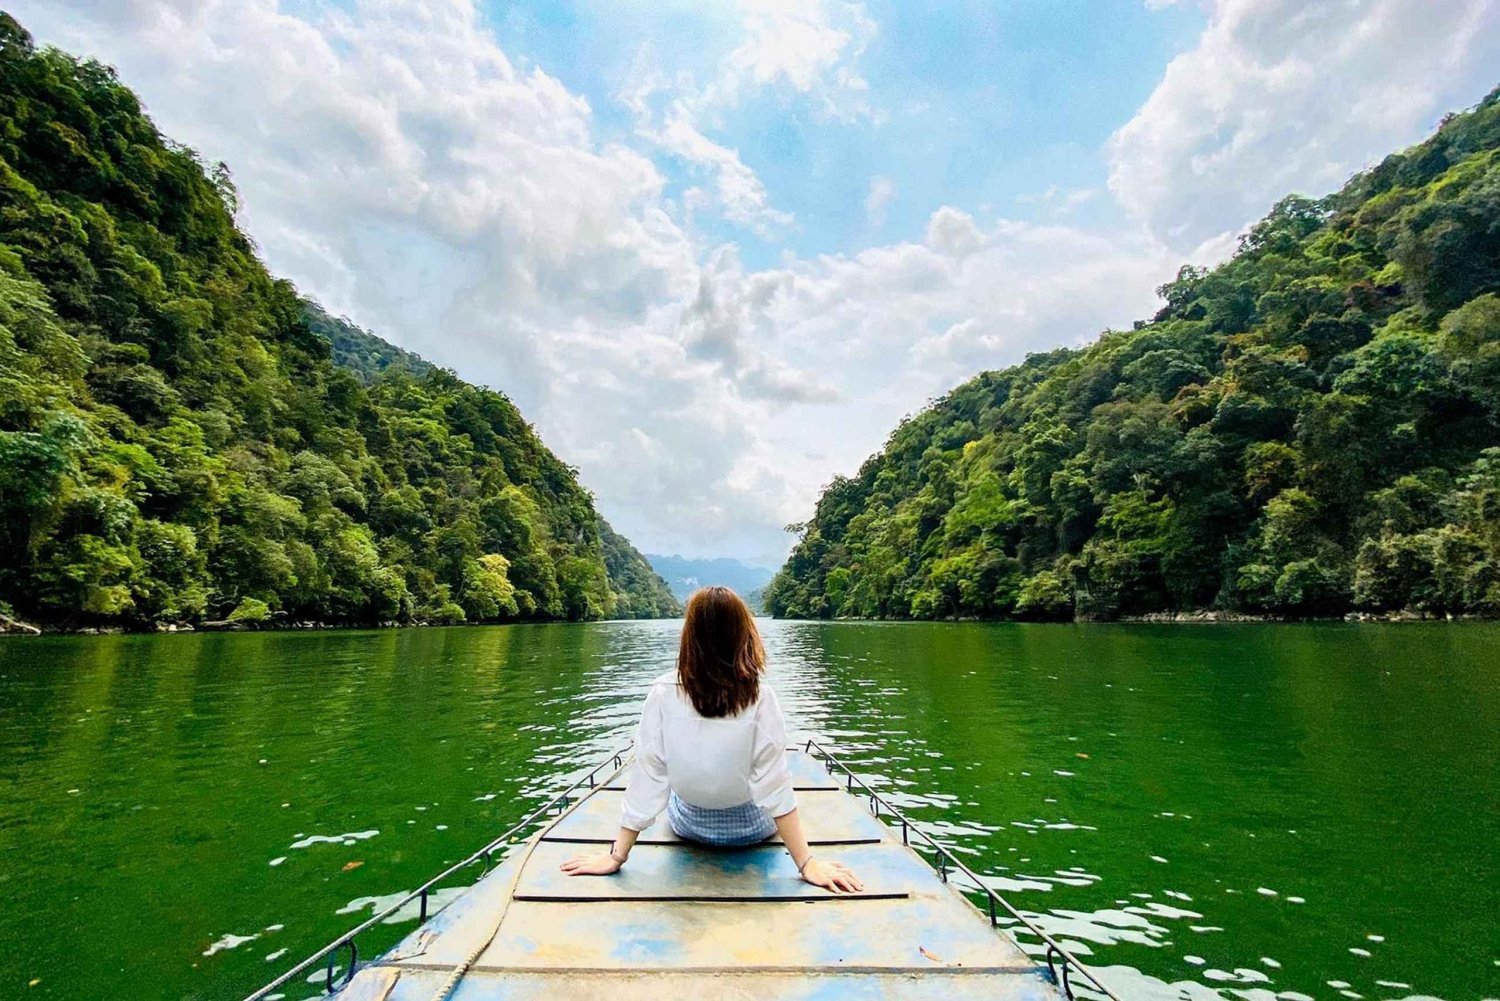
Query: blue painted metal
1058	958
691	872
616	761
825	816
686	921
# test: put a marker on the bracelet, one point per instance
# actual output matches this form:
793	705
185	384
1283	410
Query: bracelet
804	863
616	857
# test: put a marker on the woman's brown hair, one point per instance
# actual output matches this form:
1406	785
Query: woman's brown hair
720	659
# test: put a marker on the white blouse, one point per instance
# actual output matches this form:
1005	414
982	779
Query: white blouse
710	763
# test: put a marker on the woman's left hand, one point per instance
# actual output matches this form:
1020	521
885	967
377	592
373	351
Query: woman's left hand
592	864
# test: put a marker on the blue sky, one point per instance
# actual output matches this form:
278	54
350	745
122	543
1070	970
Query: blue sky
982	106
716	250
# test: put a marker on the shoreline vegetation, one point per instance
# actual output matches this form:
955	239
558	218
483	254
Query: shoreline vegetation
1310	430
14	627
184	439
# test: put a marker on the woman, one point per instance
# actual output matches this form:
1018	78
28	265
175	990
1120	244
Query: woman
711	750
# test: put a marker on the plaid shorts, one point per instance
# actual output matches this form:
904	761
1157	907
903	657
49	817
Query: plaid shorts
732	827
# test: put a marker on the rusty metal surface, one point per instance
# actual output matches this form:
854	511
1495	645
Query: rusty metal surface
713	935
731	986
684	921
826	817
691	872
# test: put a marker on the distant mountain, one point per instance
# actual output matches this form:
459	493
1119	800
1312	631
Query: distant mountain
684	576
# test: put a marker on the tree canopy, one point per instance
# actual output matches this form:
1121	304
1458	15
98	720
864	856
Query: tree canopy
183	438
1312	427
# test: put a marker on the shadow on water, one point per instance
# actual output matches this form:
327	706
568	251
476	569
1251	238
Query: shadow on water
1248	811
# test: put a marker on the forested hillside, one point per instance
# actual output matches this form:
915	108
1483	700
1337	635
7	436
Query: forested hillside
1308	429
177	443
361	352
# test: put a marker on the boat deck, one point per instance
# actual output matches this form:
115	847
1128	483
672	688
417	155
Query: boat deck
682	920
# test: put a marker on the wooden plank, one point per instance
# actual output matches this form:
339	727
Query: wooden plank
689	872
829	817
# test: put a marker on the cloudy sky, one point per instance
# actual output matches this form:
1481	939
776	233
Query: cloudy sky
715	251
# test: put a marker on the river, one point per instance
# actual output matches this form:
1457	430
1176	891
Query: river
1257	811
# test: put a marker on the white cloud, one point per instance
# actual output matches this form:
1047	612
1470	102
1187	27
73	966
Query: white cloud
882	192
910	319
953	232
1294	95
397	164
811	45
809	48
739	191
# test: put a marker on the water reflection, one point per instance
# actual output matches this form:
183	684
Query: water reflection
1249	812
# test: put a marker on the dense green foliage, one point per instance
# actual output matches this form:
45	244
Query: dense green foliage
361	352
176	442
1309	428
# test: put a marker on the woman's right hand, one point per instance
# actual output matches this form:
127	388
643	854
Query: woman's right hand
833	876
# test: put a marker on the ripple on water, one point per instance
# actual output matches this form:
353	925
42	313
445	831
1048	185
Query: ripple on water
436	901
309	840
229	941
900	714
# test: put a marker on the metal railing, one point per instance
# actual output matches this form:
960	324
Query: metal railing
331	951
1061	964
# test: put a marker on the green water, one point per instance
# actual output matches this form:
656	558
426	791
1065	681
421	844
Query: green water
1220	811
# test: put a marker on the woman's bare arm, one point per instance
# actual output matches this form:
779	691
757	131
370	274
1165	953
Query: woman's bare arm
829	875
603	863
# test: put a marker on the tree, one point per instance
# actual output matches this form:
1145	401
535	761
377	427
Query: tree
1305	429
183	436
